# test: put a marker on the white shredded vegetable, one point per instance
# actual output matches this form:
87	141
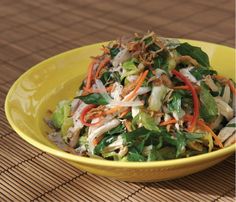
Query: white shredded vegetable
186	73
122	56
126	103
103	89
101	130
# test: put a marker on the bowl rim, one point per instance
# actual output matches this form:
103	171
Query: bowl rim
102	162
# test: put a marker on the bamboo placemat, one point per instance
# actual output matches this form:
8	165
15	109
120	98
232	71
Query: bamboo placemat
31	31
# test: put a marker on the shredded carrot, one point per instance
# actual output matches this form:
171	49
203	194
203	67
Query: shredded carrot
207	128
196	104
124	113
108	89
219	77
202	124
170	121
140	81
105	50
97	140
128	88
226	81
139	84
90	75
102	64
113	110
84	113
232	87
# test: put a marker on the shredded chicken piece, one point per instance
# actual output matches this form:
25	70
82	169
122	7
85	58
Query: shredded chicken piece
101	130
211	84
123	151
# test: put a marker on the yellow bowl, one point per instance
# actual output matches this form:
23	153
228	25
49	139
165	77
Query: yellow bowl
57	78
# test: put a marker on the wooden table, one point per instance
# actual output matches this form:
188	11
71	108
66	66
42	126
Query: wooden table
31	31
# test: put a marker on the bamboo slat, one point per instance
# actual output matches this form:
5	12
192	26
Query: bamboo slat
31	31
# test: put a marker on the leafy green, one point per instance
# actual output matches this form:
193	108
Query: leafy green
141	142
169	139
233	125
93	98
130	68
162	145
61	113
106	78
179	141
154	155
128	116
148	122
148	41
129	65
189	153
108	139
117	130
114	52
175	103
135	156
167	153
199	72
153	47
116	76
161	61
180	144
194	136
139	138
195	52
130	137
208	109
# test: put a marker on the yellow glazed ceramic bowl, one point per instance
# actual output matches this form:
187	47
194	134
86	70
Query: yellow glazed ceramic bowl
58	78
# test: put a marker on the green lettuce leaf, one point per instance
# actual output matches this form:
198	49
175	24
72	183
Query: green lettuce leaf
61	113
208	109
157	95
130	67
148	122
195	52
68	122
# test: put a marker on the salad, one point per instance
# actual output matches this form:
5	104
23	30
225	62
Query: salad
147	98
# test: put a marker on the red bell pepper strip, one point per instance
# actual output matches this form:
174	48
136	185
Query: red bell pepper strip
195	98
83	114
